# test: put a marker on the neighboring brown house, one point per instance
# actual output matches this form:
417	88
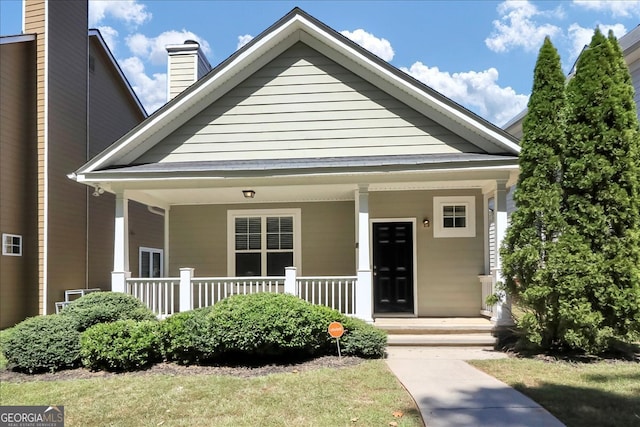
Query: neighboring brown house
64	100
305	164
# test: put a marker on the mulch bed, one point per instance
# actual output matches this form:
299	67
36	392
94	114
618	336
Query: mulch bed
173	369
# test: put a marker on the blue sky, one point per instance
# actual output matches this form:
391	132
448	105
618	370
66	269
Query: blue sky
479	53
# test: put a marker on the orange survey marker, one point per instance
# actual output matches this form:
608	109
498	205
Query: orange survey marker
336	330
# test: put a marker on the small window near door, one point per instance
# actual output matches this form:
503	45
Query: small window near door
151	262
454	216
11	244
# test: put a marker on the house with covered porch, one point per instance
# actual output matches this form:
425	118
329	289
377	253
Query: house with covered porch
305	164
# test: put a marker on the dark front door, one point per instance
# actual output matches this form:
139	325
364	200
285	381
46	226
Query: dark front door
393	267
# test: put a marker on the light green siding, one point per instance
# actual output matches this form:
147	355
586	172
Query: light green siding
447	268
198	237
300	105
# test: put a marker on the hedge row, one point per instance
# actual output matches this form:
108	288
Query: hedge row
116	332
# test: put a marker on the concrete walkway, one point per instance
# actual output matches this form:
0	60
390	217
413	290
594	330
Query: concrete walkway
450	392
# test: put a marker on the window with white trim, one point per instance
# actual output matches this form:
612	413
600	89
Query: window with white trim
454	216
11	244
263	243
150	262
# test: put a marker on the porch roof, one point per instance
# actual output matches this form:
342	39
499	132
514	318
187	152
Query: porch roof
329	165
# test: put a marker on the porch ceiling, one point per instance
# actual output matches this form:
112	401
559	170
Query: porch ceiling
165	197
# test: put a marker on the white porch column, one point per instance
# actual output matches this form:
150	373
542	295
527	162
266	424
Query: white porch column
502	315
165	261
364	291
290	281
121	245
184	301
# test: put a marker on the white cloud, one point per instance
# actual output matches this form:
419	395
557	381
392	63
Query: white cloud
153	48
477	91
517	27
622	8
375	45
129	11
110	36
242	40
152	91
580	36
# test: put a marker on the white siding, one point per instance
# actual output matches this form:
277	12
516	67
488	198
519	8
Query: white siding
634	69
182	69
303	104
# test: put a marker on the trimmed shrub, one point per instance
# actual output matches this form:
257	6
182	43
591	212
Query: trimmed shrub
42	343
123	345
270	325
102	307
187	337
366	341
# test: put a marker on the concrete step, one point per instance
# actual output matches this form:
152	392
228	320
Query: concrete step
439	340
434	326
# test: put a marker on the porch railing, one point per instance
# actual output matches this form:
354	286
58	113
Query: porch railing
159	294
338	293
166	296
487	289
207	291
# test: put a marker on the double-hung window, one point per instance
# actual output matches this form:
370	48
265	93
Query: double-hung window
263	243
11	244
150	262
454	216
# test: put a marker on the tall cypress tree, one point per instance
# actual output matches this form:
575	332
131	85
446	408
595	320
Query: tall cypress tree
601	201
531	244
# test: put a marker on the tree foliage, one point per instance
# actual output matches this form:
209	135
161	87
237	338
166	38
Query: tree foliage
531	242
601	194
572	253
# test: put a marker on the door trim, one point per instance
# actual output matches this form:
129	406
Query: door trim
413	221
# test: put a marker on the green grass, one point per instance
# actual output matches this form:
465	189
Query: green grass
367	393
602	393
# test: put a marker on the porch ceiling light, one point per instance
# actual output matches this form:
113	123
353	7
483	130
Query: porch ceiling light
248	194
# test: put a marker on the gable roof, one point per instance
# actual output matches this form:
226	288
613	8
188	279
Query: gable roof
98	36
298	26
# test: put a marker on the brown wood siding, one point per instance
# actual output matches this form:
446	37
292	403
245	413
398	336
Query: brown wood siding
447	268
303	104
112	113
198	237
34	23
18	191
145	229
67	139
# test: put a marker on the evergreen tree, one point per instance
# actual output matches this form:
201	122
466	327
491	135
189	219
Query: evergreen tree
531	239
601	202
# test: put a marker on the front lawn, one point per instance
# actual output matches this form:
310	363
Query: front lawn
367	394
604	393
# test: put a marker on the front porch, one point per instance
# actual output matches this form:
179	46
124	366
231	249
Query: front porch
166	296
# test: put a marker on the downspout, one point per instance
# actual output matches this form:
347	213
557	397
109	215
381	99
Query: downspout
87	154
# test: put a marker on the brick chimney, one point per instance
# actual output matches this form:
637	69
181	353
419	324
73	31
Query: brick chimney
186	65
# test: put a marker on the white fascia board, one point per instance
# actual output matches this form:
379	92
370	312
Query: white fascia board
99	178
18	38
